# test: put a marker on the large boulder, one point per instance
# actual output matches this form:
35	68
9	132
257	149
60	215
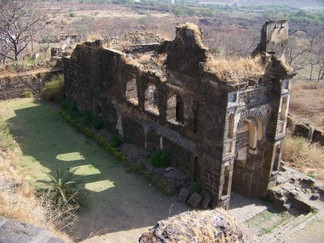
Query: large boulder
195	226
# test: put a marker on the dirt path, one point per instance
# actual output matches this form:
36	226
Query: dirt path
123	205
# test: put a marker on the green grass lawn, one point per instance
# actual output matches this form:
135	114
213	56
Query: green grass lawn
48	143
120	203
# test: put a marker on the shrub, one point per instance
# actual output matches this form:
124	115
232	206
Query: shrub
63	190
68	106
54	89
27	94
161	158
116	141
301	152
72	15
98	124
137	167
6	139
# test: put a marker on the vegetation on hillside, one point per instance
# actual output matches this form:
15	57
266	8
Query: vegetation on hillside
304	155
54	89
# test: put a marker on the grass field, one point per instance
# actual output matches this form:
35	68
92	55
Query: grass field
307	101
48	143
122	204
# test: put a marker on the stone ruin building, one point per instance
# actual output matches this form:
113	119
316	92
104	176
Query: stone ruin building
226	131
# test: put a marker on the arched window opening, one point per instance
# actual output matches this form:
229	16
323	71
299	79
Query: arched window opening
131	91
151	99
175	109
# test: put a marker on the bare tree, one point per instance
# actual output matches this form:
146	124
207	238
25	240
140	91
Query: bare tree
297	46
18	24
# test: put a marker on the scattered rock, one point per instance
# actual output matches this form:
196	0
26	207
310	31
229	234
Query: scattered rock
320	188
205	200
194	200
15	231
308	181
315	196
195	226
182	197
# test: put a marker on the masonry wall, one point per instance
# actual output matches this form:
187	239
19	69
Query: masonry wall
15	86
188	111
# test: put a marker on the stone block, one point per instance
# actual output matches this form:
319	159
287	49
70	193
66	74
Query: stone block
318	136
303	130
183	194
194	200
205	200
315	196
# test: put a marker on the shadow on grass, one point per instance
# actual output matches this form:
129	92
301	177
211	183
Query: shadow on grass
119	201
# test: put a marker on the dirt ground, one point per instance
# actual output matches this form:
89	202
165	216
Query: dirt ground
123	205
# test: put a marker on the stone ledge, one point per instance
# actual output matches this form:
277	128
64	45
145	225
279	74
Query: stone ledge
12	231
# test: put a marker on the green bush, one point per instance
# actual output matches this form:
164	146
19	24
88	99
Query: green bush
85	117
95	136
27	94
72	15
68	106
6	139
137	167
54	89
116	141
161	158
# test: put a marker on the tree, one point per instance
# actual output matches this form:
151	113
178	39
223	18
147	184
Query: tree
19	22
297	46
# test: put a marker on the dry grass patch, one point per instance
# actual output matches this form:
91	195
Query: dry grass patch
235	69
17	197
18	200
307	101
306	156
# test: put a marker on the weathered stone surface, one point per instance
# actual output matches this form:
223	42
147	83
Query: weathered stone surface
305	130
183	194
195	226
295	189
315	196
319	186
14	86
194	200
168	96
318	137
206	200
12	231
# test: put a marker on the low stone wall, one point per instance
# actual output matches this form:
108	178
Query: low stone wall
16	231
14	86
305	130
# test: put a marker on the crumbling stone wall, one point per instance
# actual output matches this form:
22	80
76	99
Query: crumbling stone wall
305	130
14	86
160	96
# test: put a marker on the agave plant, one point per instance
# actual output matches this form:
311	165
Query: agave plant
63	189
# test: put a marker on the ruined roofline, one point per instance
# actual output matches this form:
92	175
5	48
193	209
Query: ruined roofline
188	55
269	21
